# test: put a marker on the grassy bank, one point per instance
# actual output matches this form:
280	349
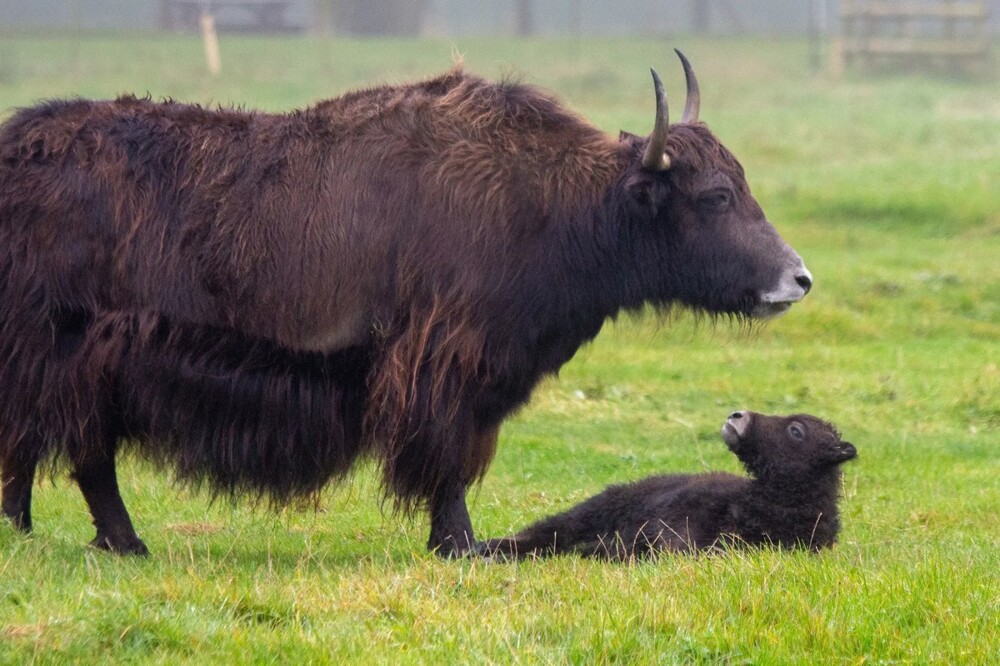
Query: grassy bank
890	190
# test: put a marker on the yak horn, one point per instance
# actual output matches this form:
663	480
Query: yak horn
693	103
656	158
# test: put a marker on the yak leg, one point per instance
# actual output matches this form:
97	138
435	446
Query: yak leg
451	527
17	478
95	473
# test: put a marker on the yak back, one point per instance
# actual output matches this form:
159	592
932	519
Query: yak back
312	228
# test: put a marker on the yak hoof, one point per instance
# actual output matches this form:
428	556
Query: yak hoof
132	546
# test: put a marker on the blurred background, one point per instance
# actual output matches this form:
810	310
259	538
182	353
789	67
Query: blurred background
950	36
452	17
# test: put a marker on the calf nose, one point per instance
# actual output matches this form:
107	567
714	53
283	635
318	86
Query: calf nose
804	281
738	423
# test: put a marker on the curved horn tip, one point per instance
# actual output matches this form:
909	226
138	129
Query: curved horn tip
655	158
692	105
657	83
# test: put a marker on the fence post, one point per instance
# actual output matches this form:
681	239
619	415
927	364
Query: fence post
211	39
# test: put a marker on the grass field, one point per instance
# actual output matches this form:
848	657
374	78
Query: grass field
890	189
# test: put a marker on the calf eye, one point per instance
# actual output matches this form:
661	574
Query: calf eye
796	431
715	200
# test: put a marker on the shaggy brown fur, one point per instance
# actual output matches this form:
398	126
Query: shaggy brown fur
790	501
260	299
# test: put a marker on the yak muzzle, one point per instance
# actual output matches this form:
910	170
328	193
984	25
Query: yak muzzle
793	285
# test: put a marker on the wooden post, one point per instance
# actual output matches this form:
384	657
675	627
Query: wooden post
211	39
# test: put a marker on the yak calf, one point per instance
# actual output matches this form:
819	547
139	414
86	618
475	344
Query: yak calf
791	501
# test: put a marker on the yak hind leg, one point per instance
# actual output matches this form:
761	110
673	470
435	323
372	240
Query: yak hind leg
18	475
95	473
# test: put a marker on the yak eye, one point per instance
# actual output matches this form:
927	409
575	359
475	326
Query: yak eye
796	431
715	200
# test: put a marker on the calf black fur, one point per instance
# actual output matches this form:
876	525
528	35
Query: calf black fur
789	501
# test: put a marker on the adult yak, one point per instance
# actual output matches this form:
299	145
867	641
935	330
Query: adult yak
259	300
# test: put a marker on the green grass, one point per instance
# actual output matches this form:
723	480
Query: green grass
889	188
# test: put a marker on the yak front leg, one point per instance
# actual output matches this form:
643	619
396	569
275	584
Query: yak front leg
18	475
95	473
451	527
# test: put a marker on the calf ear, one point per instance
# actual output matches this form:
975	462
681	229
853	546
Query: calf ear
648	192
841	452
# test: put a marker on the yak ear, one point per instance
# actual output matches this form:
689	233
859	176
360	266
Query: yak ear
648	192
841	452
627	136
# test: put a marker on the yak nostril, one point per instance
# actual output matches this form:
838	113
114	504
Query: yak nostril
805	282
736	415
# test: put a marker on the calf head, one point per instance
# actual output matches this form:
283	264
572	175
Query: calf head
799	446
